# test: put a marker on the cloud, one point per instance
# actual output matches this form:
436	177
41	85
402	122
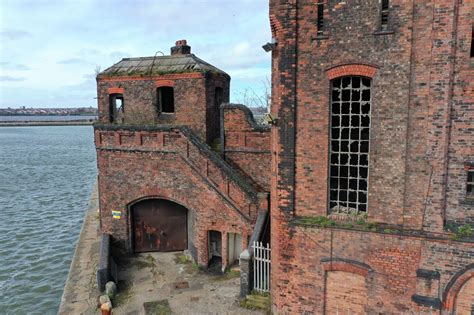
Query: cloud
103	34
6	65
89	84
72	61
9	78
14	34
89	76
118	55
89	52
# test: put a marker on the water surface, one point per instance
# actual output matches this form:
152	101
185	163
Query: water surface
46	118
46	177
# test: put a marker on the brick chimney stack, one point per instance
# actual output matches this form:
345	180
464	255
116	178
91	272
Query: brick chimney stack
181	48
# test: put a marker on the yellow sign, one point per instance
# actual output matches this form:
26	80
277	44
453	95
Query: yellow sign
116	214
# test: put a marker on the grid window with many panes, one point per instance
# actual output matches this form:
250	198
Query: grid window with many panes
349	144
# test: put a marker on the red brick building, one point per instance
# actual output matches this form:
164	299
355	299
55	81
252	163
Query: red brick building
161	187
367	170
373	162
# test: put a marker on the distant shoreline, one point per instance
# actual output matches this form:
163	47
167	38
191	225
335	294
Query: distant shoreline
87	122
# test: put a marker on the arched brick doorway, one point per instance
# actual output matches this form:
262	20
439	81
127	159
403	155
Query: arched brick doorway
159	225
465	298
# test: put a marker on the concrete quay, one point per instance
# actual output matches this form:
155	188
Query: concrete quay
80	291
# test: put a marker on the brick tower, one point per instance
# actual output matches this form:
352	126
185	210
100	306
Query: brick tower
179	89
372	198
161	186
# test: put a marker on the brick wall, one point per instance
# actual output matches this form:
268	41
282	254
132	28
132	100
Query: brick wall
137	163
343	289
246	144
465	299
461	140
420	141
193	100
388	264
213	119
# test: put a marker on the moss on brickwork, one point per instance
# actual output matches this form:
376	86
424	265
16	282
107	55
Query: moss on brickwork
462	232
361	224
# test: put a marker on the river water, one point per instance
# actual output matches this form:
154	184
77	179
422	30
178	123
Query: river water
45	118
46	177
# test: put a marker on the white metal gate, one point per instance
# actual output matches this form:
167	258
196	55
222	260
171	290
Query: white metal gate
261	267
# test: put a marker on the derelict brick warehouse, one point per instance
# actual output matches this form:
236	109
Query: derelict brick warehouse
375	112
366	168
168	190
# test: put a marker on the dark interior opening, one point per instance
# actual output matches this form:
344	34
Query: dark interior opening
384	14
218	97
116	107
215	250
472	42
320	20
166	99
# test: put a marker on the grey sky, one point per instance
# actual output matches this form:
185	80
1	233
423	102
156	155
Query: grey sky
49	50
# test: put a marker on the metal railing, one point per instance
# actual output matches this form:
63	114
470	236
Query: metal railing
261	267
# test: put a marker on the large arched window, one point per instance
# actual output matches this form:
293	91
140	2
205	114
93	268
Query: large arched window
349	144
165	99
116	108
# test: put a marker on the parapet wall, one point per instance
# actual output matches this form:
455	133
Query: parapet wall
246	144
171	162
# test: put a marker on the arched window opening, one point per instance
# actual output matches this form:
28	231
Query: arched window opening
349	144
116	109
165	99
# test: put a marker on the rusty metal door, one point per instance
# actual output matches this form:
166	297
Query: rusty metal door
159	225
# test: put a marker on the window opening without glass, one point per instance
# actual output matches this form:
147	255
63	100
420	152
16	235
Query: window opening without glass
116	109
384	14
166	99
349	144
320	19
470	184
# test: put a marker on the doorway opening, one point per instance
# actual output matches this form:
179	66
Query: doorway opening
159	225
215	250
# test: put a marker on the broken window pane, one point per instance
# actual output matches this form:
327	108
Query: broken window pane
350	134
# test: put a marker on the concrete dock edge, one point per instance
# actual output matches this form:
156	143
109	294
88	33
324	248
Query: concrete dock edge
80	291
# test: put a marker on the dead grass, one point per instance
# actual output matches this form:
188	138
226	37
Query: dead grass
124	293
230	274
257	301
157	308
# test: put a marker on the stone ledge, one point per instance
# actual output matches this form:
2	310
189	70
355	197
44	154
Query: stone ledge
435	303
427	274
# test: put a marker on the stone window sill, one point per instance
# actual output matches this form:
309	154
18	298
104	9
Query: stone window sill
384	32
320	37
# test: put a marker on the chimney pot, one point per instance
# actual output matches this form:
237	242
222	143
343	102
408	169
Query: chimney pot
181	48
